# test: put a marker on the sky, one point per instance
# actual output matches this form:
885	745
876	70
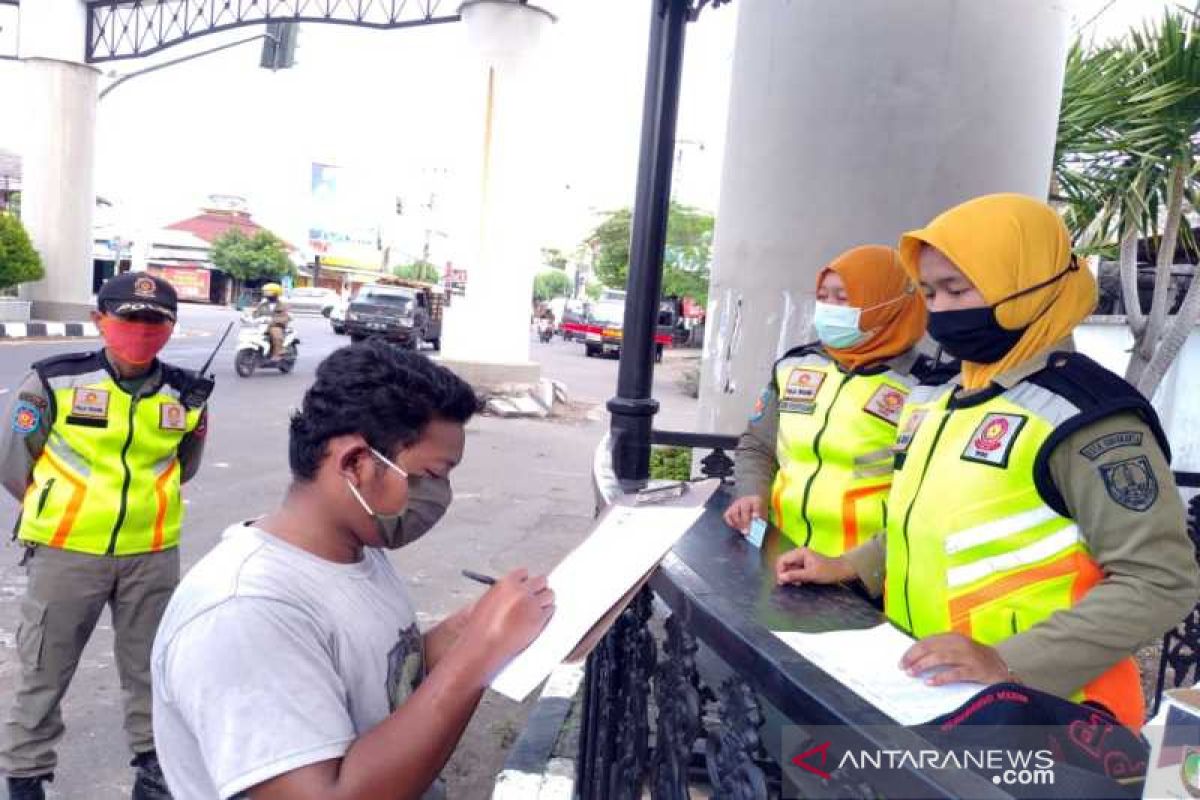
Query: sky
402	111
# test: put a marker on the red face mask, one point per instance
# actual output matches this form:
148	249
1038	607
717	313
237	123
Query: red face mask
135	342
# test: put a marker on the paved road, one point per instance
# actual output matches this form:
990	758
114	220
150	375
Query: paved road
523	498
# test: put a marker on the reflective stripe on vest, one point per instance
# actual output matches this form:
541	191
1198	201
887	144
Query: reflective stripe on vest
107	481
834	451
971	546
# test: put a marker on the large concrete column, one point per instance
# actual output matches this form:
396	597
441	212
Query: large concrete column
487	332
850	123
58	190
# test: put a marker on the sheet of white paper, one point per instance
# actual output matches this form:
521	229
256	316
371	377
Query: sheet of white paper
598	573
867	662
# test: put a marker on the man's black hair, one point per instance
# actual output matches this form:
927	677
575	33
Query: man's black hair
378	390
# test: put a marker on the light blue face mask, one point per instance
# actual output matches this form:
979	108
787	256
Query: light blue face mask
837	326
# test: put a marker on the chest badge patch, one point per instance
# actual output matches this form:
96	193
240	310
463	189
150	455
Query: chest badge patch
172	417
1131	483
993	440
886	404
90	403
803	384
909	432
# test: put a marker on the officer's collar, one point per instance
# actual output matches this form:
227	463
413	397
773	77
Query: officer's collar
1009	378
902	364
151	381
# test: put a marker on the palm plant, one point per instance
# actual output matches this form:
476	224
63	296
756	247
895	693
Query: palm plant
1126	169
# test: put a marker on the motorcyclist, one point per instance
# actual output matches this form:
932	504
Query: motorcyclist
272	307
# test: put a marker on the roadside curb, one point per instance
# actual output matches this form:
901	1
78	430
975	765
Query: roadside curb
47	330
18	331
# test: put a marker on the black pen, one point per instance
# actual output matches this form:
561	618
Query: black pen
479	577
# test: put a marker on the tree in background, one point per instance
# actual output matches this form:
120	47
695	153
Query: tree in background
685	262
1126	170
19	262
418	271
260	257
554	258
551	284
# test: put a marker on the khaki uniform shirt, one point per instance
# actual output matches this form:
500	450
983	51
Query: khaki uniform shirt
1150	576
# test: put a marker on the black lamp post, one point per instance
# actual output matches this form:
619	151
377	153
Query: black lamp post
633	408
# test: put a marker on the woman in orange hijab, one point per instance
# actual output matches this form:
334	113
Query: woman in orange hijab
1034	530
816	456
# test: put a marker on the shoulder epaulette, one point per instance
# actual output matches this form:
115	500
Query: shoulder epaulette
812	348
1097	393
68	363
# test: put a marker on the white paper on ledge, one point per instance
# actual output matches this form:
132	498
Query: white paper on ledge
620	550
867	662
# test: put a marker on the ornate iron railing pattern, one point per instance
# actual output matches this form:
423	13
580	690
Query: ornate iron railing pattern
119	29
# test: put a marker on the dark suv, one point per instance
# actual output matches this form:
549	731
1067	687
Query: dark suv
397	313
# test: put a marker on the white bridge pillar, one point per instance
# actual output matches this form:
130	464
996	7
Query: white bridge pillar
849	123
58	188
487	332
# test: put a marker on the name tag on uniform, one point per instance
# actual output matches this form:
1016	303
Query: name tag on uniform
792	407
911	425
90	403
993	440
172	417
803	384
886	404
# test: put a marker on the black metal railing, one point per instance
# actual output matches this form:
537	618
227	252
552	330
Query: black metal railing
690	687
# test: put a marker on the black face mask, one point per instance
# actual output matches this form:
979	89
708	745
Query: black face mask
974	334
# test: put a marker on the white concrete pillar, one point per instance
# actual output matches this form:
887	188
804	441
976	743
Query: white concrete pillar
850	123
490	325
58	154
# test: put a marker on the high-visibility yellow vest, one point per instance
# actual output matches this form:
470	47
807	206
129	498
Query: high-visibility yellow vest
107	481
978	539
836	430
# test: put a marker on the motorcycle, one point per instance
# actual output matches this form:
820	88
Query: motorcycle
545	329
254	348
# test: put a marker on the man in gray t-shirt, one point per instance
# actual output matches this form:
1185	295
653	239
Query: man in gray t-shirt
289	664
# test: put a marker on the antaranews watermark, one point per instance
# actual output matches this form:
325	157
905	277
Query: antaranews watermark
898	762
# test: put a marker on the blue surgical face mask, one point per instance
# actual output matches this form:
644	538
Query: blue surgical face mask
837	326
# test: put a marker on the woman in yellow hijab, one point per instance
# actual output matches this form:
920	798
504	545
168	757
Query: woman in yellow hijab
815	458
1034	530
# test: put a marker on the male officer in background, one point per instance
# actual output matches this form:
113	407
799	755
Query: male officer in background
95	448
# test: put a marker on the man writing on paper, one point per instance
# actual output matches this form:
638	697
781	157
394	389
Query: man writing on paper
289	664
1034	530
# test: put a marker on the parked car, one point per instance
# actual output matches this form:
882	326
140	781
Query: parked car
311	300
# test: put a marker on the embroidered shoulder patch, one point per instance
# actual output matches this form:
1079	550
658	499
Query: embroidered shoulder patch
1131	483
26	418
1111	441
887	403
760	406
909	431
803	384
91	403
172	417
992	441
